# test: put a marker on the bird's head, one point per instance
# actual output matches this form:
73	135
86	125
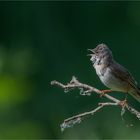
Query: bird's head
100	52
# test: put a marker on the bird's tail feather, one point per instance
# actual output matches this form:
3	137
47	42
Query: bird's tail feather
136	94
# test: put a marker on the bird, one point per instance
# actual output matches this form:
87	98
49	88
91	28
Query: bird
111	73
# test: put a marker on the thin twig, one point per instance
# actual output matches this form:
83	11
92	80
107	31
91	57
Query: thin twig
86	90
101	105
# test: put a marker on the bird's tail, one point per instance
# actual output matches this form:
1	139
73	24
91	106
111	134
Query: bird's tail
135	94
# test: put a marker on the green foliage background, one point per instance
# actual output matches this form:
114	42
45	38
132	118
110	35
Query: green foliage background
43	41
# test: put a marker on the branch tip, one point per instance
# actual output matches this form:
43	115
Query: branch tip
73	80
53	82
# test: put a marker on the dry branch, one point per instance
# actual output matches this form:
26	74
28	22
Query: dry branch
87	90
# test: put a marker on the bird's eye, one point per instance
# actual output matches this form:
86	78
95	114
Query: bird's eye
100	49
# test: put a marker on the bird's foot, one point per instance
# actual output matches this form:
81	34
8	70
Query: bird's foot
103	92
123	103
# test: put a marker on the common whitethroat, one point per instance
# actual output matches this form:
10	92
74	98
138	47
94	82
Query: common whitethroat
112	74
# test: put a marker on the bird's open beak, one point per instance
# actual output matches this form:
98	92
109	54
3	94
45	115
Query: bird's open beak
89	55
91	50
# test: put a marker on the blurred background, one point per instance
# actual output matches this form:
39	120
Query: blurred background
43	41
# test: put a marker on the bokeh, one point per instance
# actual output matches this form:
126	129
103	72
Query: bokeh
43	41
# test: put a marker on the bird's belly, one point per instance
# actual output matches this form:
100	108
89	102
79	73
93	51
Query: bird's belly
112	82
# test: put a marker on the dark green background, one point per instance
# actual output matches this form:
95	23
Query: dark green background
43	41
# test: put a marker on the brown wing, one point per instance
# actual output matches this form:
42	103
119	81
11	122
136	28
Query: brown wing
122	73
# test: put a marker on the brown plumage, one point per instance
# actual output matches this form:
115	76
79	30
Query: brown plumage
111	73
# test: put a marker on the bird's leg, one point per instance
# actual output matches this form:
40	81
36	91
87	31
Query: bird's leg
124	102
103	92
125	97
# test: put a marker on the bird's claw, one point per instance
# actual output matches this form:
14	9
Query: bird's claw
123	103
103	92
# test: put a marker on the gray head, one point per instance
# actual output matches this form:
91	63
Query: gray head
101	53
